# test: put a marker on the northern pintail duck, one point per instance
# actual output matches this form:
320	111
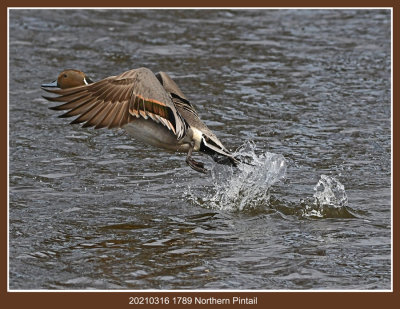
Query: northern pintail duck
150	107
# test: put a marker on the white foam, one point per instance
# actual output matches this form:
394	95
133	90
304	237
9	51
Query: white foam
330	199
245	187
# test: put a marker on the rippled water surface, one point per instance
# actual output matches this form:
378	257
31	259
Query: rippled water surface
302	94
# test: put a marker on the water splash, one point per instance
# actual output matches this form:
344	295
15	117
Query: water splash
246	187
330	200
330	192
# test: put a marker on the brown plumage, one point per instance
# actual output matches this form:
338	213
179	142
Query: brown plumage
149	107
112	102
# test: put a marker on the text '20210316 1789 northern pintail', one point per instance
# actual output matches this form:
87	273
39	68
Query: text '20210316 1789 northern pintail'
150	107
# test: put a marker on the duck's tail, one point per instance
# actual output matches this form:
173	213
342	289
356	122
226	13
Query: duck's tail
218	154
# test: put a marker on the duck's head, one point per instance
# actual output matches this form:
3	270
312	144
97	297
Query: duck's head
68	79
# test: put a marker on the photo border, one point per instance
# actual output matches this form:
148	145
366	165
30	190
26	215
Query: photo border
265	299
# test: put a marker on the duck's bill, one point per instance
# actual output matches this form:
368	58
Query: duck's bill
51	85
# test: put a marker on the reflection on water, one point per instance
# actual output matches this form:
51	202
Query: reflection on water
303	94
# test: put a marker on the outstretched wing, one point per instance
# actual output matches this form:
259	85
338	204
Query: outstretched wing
187	110
117	100
179	99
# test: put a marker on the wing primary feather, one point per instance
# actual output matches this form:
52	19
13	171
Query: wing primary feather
64	91
97	116
89	113
79	110
103	93
72	104
70	97
112	117
106	115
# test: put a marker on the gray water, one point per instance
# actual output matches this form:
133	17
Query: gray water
303	94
